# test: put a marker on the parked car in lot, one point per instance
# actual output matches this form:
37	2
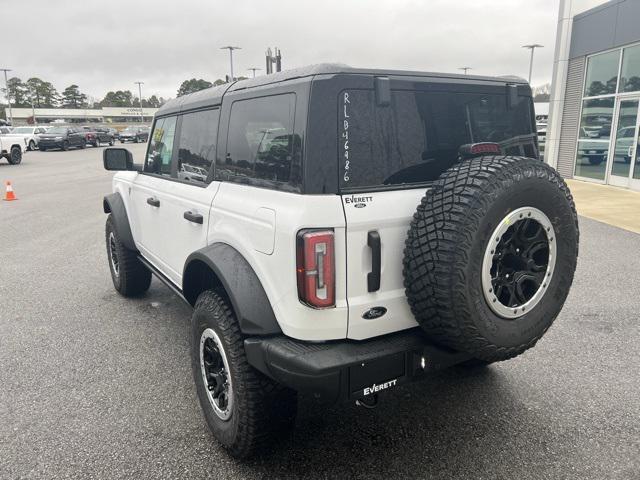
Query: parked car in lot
114	132
415	228
542	137
30	134
625	138
63	138
96	136
134	134
5	130
12	148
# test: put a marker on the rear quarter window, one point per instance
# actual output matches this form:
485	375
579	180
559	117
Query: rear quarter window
262	148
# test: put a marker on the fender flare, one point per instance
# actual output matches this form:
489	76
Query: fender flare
114	205
243	287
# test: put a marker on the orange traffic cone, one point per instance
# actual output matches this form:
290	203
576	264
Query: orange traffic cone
9	195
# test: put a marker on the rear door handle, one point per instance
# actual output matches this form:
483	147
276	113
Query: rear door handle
373	277
193	217
154	202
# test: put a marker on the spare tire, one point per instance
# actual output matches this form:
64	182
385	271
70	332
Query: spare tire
490	255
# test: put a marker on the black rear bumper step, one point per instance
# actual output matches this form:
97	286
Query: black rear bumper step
348	369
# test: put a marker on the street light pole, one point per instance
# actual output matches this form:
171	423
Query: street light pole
33	110
231	49
253	69
532	47
465	69
140	98
6	86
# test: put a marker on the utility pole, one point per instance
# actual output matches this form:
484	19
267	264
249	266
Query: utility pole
465	69
140	98
532	47
231	49
6	86
253	69
33	110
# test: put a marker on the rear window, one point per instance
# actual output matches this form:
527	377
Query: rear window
417	136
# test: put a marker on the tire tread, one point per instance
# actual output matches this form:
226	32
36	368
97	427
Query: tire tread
435	257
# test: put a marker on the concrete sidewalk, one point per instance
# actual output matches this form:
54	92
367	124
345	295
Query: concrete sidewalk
612	205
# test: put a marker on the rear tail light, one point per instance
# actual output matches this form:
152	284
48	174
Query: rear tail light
315	268
473	149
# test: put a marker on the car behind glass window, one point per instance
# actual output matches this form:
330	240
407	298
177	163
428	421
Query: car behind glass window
161	147
197	145
418	136
262	148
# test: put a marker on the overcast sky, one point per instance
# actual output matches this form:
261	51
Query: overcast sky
108	44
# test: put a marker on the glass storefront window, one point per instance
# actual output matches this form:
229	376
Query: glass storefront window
595	122
602	74
630	75
625	138
636	170
593	138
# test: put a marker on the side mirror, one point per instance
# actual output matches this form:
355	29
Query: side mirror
118	159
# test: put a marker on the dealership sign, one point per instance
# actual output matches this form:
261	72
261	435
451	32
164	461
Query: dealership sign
127	111
64	113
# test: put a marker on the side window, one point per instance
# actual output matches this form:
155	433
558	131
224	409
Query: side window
161	147
197	145
262	149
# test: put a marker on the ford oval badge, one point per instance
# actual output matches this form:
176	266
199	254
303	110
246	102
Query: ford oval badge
374	312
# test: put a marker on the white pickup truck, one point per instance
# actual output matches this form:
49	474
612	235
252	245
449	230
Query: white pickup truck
12	148
29	133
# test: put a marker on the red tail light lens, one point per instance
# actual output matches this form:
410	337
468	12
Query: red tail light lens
315	268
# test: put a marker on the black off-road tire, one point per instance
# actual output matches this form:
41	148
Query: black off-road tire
65	145
15	156
132	278
262	410
32	145
446	245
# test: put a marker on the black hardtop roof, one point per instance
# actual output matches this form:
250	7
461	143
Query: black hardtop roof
213	95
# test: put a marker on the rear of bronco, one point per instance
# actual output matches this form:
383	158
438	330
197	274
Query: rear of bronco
448	243
365	228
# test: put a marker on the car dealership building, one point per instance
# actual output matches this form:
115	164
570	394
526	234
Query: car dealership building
23	116
595	100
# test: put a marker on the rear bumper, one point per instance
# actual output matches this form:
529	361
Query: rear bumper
348	370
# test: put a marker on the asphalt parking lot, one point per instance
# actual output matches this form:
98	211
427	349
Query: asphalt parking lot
93	385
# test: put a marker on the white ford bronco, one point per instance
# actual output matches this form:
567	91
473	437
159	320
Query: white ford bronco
341	232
